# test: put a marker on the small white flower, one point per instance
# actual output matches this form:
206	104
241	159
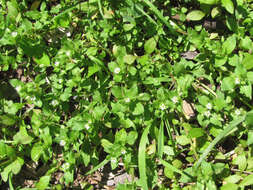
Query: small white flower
14	34
127	100
123	152
68	34
57	63
60	81
209	106
54	102
162	107
65	166
174	99
237	80
50	40
18	88
117	70
113	160
68	53
87	126
237	112
33	98
89	121
207	113
62	143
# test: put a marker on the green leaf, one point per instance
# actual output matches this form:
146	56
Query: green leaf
215	12
98	112
5	172
250	138
219	61
246	43
121	137
76	124
230	44
249	118
229	186
129	59
43	183
92	70
250	76
150	45
142	158
195	15
12	10
43	61
183	140
7	119
233	179
2	149
229	6
248	180
131	137
246	90
107	145
227	84
209	2
139	109
241	161
248	61
17	165
22	137
36	152
117	92
196	132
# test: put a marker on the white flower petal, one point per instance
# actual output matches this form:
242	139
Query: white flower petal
117	70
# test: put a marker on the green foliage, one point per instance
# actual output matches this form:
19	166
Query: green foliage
163	88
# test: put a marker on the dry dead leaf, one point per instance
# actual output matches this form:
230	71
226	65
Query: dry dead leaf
188	109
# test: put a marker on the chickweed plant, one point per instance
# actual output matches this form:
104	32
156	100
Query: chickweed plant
160	89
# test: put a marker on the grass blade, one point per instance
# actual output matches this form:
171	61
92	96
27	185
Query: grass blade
159	15
142	159
145	14
98	166
161	140
174	169
169	133
233	124
100	8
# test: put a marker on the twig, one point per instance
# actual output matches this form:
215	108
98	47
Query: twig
237	170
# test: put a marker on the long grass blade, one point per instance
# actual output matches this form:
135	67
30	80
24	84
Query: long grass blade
98	166
159	15
100	8
145	14
174	169
161	140
169	133
233	124
142	159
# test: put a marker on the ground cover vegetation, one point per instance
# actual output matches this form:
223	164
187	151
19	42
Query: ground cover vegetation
159	88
